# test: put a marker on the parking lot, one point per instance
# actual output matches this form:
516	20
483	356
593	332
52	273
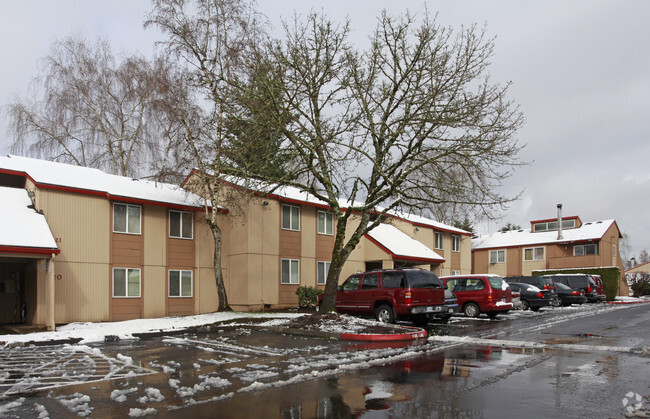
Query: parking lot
246	372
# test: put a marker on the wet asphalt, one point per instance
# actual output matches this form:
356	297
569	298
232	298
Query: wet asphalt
577	362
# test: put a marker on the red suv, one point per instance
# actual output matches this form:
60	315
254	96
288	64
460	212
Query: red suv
413	294
477	294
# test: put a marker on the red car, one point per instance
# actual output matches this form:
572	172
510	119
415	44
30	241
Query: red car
477	294
411	294
600	287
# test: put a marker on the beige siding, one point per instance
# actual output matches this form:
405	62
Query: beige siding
154	291
155	240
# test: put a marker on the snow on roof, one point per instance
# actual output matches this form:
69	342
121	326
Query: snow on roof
45	173
22	226
401	245
593	230
417	219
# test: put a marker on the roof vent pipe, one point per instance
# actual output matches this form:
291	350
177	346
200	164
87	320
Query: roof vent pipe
559	221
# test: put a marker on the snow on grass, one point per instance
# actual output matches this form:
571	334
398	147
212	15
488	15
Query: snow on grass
5	409
96	332
152	395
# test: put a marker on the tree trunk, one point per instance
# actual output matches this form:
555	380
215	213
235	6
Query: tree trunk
222	297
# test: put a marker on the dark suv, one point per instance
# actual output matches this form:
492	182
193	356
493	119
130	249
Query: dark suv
413	294
579	281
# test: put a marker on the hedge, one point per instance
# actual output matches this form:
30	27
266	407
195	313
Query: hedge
610	276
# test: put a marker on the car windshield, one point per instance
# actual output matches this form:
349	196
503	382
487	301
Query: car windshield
423	279
498	283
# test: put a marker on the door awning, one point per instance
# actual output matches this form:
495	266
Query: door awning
400	246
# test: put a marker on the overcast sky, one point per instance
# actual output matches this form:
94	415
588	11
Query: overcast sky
580	71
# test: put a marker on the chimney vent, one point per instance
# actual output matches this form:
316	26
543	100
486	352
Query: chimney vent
559	222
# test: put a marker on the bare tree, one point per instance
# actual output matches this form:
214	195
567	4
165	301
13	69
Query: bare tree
212	38
94	110
411	122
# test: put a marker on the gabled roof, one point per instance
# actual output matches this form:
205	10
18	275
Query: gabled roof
589	231
60	176
295	195
22	229
401	246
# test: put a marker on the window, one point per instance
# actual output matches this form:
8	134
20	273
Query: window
552	225
290	271
181	224
180	283
126	282
534	253
439	241
325	223
290	218
454	273
352	283
370	281
126	218
455	243
323	270
585	249
394	279
497	256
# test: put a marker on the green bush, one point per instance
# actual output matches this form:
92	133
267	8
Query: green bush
609	275
308	296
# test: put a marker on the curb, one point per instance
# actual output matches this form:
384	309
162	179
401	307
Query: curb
415	333
627	302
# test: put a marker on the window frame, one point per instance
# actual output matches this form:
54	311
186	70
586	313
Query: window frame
583	247
180	220
127	206
290	261
326	268
455	243
180	283
497	252
438	240
291	226
126	284
327	215
534	251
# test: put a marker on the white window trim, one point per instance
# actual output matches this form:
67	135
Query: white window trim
290	263
441	245
497	252
180	283
181	224
126	278
327	269
127	219
455	238
328	215
534	253
455	273
291	228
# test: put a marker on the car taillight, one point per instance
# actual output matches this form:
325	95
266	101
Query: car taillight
575	293
540	295
490	297
547	287
408	297
588	289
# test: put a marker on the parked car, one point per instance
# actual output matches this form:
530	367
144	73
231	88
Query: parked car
541	282
477	294
600	287
412	294
580	281
451	301
568	295
532	297
516	299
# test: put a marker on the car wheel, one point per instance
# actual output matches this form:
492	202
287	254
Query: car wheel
471	310
384	314
524	305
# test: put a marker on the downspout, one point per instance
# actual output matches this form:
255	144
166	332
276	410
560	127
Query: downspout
49	320
559	222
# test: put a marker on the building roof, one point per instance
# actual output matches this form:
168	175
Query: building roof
295	195
22	229
60	176
401	246
593	230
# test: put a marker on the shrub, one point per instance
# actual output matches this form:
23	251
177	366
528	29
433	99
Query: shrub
308	296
